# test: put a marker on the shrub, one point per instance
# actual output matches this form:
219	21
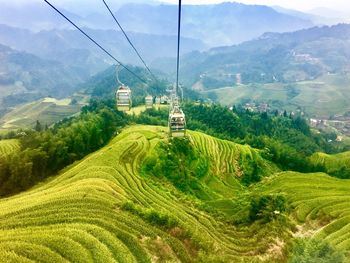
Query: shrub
315	251
267	207
157	218
180	163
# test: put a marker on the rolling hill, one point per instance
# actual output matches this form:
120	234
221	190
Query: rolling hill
47	110
25	77
106	208
273	57
319	205
321	98
307	70
334	164
37	75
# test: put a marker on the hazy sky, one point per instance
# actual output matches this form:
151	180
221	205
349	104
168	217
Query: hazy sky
303	5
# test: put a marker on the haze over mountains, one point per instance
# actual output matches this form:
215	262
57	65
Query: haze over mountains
274	57
25	77
35	32
72	48
221	24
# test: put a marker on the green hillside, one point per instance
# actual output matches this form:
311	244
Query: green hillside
337	164
320	205
47	111
106	208
274	57
306	69
26	77
322	97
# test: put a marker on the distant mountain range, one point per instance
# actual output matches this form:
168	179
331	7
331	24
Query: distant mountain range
56	62
25	77
70	47
42	55
274	57
220	24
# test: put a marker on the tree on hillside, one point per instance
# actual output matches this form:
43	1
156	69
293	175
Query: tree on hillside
38	127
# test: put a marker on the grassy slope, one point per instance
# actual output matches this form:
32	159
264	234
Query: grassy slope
47	111
332	162
320	204
139	109
321	97
8	146
78	215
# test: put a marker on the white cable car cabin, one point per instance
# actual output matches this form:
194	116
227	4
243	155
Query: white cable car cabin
123	97
149	101
177	122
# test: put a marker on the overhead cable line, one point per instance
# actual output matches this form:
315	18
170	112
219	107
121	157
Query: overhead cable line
178	47
128	39
94	41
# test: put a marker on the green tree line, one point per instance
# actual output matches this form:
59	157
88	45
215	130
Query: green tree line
44	153
283	139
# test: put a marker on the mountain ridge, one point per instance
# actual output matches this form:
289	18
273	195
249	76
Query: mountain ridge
25	77
228	16
293	56
72	48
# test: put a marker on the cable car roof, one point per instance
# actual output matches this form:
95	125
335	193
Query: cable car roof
123	87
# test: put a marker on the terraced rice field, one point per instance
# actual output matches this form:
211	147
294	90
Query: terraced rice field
332	162
324	96
47	111
320	205
226	164
8	146
80	215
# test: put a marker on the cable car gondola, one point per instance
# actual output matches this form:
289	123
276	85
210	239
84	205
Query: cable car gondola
177	122
123	98
149	101
122	95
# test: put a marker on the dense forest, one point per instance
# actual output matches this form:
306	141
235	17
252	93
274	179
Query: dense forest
284	139
46	151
